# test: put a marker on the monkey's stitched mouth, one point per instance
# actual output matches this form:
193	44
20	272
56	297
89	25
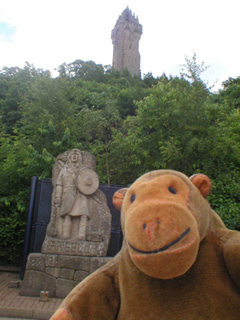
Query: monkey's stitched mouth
165	247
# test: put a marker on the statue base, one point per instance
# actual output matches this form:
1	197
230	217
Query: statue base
57	274
93	247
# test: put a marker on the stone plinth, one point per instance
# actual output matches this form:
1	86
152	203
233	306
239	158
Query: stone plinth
79	230
81	248
57	274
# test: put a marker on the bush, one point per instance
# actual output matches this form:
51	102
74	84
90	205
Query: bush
225	199
12	230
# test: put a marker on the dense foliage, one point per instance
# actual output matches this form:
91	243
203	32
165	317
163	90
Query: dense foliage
131	125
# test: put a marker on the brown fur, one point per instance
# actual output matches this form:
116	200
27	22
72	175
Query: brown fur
178	260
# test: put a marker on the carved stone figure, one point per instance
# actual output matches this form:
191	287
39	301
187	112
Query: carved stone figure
70	195
78	234
79	209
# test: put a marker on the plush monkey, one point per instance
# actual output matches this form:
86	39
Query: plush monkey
178	260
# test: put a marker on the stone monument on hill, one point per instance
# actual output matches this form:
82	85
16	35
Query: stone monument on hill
79	230
125	37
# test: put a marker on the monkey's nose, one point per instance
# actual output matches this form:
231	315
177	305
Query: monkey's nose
151	224
150	227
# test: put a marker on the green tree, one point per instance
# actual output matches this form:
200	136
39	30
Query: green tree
192	70
48	116
230	94
19	162
179	127
88	71
173	125
95	132
14	82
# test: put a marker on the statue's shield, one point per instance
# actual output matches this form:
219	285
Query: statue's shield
87	181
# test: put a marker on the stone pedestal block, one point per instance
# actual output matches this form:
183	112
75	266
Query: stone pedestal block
77	263
80	275
57	274
36	262
51	260
60	273
35	282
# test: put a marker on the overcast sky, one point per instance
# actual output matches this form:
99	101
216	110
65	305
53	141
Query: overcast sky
47	33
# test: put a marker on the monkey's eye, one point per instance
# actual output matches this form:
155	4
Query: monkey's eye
172	190
133	197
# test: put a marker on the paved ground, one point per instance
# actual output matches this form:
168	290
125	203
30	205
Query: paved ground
19	307
4	318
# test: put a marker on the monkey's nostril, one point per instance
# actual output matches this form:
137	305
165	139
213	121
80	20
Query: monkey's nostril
144	226
158	222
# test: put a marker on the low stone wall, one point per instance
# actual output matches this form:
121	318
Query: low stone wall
57	274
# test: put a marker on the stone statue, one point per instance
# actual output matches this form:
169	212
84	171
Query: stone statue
79	230
71	197
79	208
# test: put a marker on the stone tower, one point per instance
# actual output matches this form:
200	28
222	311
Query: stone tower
125	37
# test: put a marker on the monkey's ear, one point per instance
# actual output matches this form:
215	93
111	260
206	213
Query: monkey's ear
118	198
203	184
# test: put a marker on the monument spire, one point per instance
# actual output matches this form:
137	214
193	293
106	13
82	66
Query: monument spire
125	37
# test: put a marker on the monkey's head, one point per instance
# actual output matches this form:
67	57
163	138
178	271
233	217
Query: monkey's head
164	217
